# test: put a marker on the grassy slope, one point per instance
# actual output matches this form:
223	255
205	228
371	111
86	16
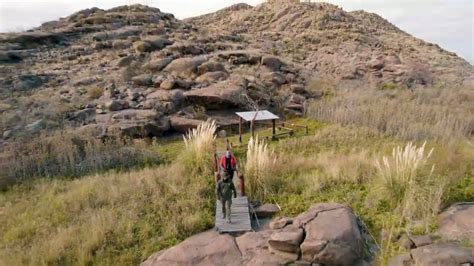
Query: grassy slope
121	218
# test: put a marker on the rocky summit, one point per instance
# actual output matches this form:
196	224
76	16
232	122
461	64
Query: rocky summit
142	72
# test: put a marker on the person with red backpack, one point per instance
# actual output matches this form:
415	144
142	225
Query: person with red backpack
228	164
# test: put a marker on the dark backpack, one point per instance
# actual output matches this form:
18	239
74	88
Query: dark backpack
226	189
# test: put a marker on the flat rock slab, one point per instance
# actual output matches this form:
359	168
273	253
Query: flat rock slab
208	248
442	254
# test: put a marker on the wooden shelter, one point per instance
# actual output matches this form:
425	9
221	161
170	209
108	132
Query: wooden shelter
254	116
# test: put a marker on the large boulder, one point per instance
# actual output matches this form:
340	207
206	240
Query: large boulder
254	249
280	222
275	78
168	83
185	67
151	44
176	96
143	80
332	235
287	239
216	96
304	218
400	260
135	123
210	77
211	66
186	48
442	254
141	129
183	124
116	105
422	240
240	57
208	248
157	64
457	222
266	210
275	247
272	62
84	116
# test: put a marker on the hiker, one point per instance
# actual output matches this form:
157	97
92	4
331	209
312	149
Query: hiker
228	164
224	190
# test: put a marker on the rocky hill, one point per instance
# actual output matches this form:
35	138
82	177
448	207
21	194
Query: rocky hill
327	41
142	72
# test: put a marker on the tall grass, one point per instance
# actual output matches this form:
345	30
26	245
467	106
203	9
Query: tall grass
430	113
409	186
113	218
200	147
416	194
399	171
258	166
70	154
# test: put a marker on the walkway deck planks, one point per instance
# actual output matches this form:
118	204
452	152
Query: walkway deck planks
240	217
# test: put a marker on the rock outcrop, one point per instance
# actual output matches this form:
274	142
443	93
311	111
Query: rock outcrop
304	243
449	254
455	228
97	58
457	222
207	248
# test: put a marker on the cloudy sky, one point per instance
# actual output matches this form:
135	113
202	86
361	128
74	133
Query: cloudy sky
448	23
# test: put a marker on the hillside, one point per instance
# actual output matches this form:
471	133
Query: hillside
146	73
327	41
378	170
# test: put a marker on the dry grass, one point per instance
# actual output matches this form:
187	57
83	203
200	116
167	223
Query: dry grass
111	219
259	163
69	154
430	113
416	194
115	219
200	147
94	92
403	193
406	181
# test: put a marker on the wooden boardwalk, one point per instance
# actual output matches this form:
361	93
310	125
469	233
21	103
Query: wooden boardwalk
240	217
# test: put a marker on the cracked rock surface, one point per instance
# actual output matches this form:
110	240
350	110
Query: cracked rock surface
327	234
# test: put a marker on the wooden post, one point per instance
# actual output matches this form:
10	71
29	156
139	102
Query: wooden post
240	129
273	129
217	175
252	129
242	184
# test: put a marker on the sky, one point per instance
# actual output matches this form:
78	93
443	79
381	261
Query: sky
448	23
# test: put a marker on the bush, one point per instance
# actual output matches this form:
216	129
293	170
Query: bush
95	92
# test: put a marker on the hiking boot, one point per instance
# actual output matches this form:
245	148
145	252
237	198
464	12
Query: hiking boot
223	216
